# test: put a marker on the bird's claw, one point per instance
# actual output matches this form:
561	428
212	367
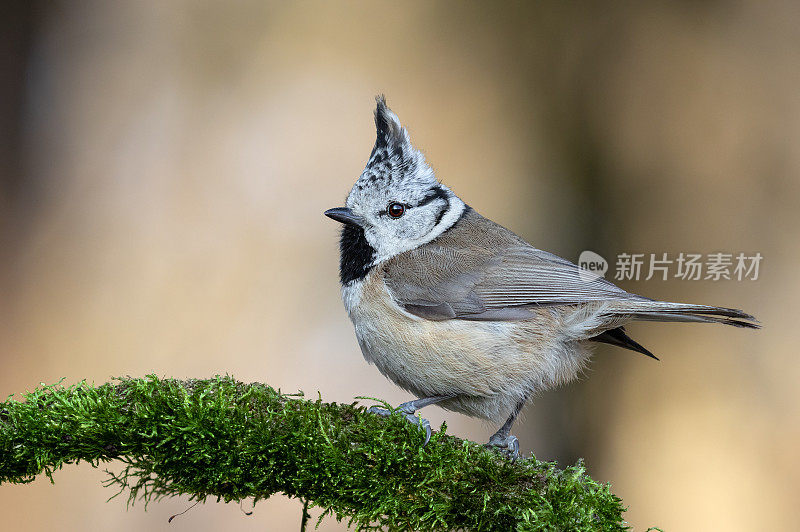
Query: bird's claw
422	422
509	445
383	412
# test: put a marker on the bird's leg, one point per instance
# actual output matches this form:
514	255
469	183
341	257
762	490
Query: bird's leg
408	409
503	440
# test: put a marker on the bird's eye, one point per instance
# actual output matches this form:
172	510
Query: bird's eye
395	210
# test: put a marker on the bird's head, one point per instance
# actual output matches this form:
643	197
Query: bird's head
397	201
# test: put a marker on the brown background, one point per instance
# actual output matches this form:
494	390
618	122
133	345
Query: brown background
165	166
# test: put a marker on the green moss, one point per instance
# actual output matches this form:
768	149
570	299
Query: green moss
230	441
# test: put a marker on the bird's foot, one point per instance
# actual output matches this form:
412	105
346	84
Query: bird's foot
409	415
508	445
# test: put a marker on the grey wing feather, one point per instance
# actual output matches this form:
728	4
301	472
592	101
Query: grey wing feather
498	287
526	275
481	271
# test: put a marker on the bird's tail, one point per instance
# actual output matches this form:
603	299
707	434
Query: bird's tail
667	311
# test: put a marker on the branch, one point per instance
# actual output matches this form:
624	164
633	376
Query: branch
225	439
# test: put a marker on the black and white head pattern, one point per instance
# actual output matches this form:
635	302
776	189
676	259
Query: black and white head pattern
398	198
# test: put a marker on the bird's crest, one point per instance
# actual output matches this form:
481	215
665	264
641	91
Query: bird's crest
393	158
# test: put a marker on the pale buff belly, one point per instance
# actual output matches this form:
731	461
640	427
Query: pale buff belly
490	367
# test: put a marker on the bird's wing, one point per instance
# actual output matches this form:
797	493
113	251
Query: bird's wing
482	271
525	275
491	286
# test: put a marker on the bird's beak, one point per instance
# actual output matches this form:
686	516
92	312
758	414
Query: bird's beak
343	215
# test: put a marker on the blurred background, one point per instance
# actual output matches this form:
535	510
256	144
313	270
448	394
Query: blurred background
165	166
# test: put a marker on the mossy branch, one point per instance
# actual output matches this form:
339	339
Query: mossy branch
225	439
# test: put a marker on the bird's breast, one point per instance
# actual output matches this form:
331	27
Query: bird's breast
432	357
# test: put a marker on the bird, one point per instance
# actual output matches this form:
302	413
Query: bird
460	311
